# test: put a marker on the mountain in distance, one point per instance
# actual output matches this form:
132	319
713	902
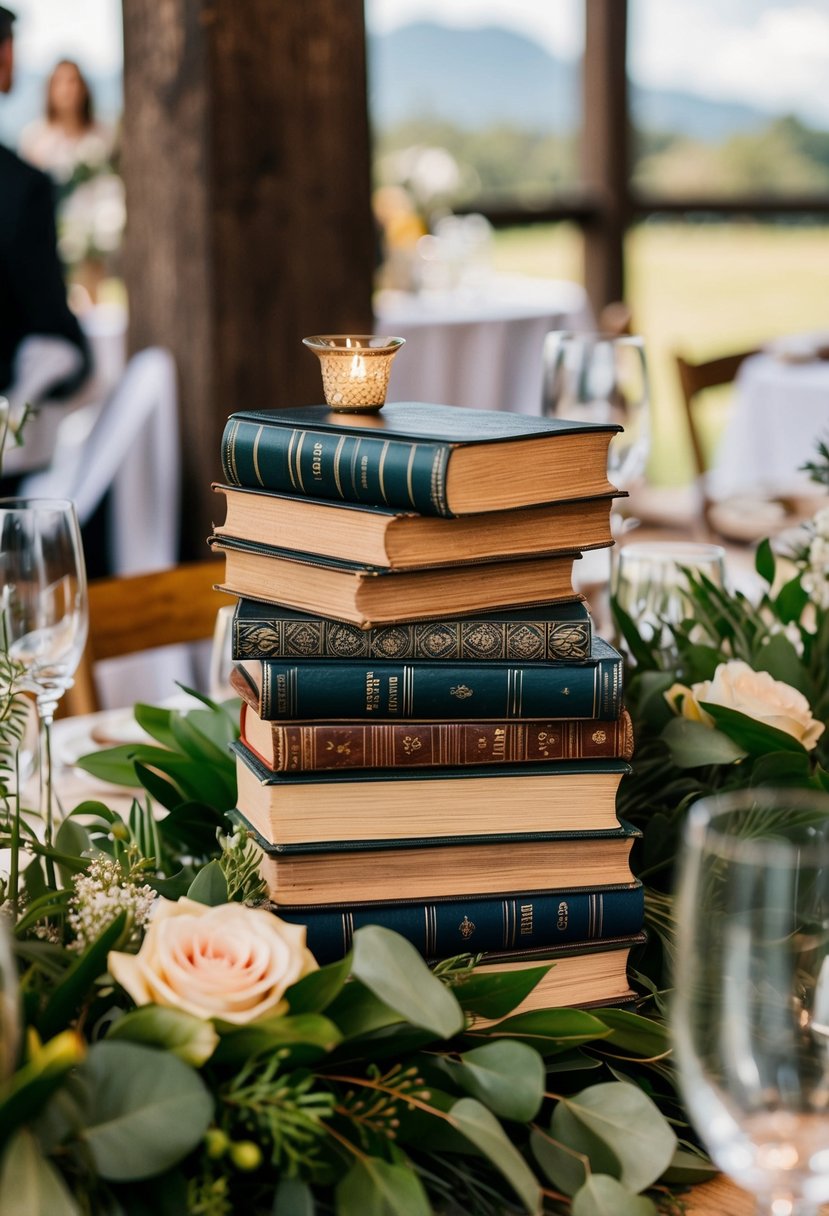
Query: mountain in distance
491	76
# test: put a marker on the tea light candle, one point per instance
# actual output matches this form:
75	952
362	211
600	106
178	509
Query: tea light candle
354	383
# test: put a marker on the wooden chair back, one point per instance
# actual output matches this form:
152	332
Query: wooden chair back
141	611
695	378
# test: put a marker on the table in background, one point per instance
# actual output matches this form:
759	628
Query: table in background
779	412
480	349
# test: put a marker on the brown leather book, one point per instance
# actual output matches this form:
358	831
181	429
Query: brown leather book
291	747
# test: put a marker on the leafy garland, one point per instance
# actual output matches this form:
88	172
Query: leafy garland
376	1086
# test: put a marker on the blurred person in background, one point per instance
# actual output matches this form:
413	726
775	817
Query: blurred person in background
68	142
43	352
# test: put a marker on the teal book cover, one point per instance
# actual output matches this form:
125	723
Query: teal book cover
445	927
363	690
400	458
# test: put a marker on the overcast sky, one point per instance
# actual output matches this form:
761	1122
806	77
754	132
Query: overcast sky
771	53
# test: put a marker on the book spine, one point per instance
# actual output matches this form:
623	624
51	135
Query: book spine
343	468
423	744
439	692
461	926
473	641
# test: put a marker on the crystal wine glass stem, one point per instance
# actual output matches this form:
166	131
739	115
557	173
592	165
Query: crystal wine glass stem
46	713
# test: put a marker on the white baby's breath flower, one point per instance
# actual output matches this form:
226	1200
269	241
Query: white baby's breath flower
821	523
101	893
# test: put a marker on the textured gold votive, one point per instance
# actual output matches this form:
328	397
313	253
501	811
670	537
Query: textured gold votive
355	369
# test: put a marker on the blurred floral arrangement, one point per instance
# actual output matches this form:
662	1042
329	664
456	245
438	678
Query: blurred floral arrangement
167	1044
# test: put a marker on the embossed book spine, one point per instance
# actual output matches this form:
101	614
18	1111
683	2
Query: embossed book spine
324	464
290	748
443	928
431	692
562	632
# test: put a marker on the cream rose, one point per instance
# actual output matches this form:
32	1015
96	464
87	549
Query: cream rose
228	962
754	693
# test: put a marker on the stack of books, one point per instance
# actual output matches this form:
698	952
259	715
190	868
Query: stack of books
432	735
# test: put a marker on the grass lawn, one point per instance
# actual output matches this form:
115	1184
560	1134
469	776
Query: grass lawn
700	289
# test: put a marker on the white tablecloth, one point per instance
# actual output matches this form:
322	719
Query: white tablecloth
480	350
779	412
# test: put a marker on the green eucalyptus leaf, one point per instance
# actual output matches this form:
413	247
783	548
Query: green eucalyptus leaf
163	791
293	1198
374	1187
357	1011
688	1168
756	737
209	886
391	968
694	745
570	1132
604	1196
72	838
190	1038
310	1031
197	745
565	1167
549	1031
494	994
77	981
29	1183
146	1110
635	1033
316	990
218	725
631	1124
782	769
507	1076
483	1130
764	562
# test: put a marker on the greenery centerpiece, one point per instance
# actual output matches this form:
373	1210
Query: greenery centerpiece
169	1045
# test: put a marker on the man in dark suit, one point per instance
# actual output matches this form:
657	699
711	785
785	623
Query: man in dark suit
32	292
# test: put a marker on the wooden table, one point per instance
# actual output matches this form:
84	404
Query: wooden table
722	1198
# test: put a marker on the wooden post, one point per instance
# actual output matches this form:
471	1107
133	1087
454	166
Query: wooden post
605	148
247	167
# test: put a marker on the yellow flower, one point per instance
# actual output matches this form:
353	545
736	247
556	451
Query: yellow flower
683	702
229	962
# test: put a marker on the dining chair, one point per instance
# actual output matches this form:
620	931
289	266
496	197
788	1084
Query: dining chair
696	378
143	611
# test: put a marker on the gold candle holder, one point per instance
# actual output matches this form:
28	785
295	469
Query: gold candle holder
355	369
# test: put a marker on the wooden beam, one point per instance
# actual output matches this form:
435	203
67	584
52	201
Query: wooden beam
247	166
605	148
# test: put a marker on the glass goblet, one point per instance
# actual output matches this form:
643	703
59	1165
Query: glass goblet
751	1007
593	377
43	605
650	582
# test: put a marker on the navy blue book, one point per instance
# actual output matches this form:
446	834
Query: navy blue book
314	689
432	459
442	928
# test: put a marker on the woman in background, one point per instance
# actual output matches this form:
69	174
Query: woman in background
68	143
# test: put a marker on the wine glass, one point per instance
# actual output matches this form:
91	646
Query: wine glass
751	1006
44	609
593	377
650	582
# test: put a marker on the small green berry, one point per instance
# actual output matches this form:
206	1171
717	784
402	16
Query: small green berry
246	1155
119	831
216	1143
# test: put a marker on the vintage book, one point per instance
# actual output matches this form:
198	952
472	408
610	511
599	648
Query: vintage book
453	868
373	595
589	973
315	809
433	459
402	540
304	689
321	746
526	635
442	928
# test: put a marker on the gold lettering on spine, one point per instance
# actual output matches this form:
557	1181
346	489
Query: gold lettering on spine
354	470
526	920
438	481
337	455
256	456
409	468
291	443
383	456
